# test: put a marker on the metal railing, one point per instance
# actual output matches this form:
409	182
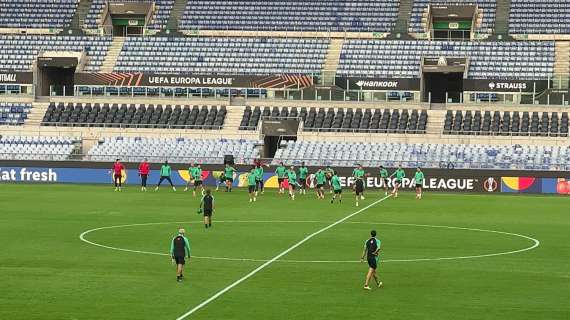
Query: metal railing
131	126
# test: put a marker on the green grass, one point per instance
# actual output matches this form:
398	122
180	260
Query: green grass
46	272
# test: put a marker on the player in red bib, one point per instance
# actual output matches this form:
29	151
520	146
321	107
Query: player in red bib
144	170
118	174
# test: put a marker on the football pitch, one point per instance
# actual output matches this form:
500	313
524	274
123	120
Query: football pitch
448	256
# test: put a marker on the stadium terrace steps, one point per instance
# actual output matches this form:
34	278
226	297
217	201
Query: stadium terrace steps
78	20
36	114
332	59
562	59
404	14
502	17
113	54
176	14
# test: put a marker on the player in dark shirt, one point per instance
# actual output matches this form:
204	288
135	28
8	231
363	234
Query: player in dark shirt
179	249
371	253
208	206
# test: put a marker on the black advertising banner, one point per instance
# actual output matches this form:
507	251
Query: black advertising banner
288	127
16	77
379	84
193	80
57	62
493	85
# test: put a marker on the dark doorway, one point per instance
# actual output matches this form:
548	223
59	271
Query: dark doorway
271	144
441	83
57	81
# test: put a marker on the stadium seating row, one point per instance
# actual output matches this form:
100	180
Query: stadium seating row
14	113
539	17
158	19
505	60
428	155
141	116
510	123
36	13
180	150
36	148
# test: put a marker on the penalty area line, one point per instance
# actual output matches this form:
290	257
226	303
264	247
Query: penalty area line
277	257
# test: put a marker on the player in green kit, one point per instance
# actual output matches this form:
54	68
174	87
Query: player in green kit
259	179
303	173
400	175
190	176
320	176
384	178
337	188
419	178
251	184
328	174
292	179
372	255
229	173
358	175
281	173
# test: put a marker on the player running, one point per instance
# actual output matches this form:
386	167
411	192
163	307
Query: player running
144	171
328	174
165	172
281	173
358	174
251	183
419	178
190	176
259	179
320	176
337	188
229	173
400	175
303	173
221	180
292	178
117	171
384	177
371	252
180	249
207	206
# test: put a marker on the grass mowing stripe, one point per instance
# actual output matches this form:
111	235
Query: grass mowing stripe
277	257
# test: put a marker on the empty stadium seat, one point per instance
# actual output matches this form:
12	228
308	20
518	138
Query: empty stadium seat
44	148
14	113
539	17
37	13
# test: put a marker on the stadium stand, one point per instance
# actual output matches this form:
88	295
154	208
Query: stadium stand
489	8
36	148
505	60
509	123
158	19
341	119
425	155
539	17
298	15
223	55
36	13
14	113
179	150
19	51
135	116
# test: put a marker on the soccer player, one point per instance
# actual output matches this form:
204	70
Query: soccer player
229	172
180	249
165	172
259	179
281	173
221	180
335	181
197	177
358	174
384	177
118	174
144	171
303	173
208	206
328	174
400	175
419	178
251	183
292	178
371	252
190	176
320	176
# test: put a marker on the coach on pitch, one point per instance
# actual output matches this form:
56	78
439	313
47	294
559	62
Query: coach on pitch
180	249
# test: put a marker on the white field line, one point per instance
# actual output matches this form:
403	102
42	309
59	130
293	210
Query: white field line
269	262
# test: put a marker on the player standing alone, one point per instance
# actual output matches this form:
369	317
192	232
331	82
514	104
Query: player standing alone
292	178
303	173
144	170
118	174
165	172
400	175
371	252
281	173
251	183
358	174
197	177
337	188
180	249
384	177
419	178
208	206
258	179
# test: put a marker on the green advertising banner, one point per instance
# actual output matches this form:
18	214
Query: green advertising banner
453	25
